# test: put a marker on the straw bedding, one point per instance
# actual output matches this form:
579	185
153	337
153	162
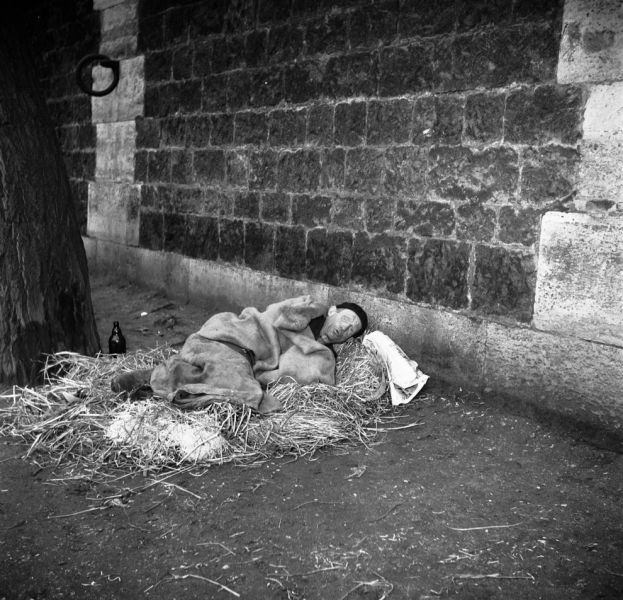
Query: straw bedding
76	420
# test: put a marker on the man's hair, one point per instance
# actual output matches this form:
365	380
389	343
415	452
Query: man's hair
363	317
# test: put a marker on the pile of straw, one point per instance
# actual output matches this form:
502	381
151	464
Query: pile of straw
75	419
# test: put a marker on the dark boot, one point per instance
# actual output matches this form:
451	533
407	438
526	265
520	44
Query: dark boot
136	383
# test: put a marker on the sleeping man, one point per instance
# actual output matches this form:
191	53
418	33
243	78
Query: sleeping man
232	358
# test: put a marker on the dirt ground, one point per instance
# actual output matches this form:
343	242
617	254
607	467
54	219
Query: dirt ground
472	502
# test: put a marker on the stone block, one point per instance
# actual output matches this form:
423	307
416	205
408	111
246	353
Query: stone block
198	131
484	117
311	211
603	115
150	33
350	75
475	222
504	282
126	101
438	272
299	171
379	262
424	120
250	128
222	129
214	94
175	26
157	66
290	252
147	133
430	219
182	62
203	238
116	143
231	240
389	121
285	43
548	113
287	127
406	169
326	34
209	166
426	19
329	256
600	173
559	373
332	168
182	166
173	131
320	124
255	47
263	170
202	59
303	81
347	213
259	246
459	173
273	11
480	14
265	88
275	207
371	24
184	200
350	123
519	225
151	230
549	174
578	291
591	45
113	212
247	205
205	18
379	214
219	203
175	232
364	170
237	168
404	70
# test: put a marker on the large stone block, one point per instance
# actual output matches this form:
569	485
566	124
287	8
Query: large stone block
350	75
247	205
209	166
259	246
484	117
329	256
591	48
263	170
475	222
202	237
126	101
116	144
311	211
380	214
151	231
406	169
320	124
287	127
580	280
404	70
250	128
290	251
424	19
332	164
438	272
518	225
364	170
299	171
347	213
379	262
326	34
285	43
600	174
372	24
603	115
350	123
549	174
431	219
389	121
275	206
231	240
113	212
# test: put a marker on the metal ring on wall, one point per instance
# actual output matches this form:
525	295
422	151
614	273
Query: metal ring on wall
97	59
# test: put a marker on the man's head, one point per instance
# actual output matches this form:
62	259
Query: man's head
343	321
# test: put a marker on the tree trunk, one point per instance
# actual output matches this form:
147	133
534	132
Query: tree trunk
45	298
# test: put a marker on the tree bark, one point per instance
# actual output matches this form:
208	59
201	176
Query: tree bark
45	298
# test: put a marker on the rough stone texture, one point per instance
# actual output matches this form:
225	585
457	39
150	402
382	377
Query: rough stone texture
329	256
364	170
350	123
231	240
259	246
389	122
431	219
549	174
591	48
113	212
379	262
125	102
290	252
484	117
600	174
504	282
474	221
114	159
580	277
311	210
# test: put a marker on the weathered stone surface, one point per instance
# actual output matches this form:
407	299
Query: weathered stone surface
601	176
237	168
350	75
265	88
202	238
425	218
175	232
578	379
364	170
478	14
214	94
438	119
591	46
259	246
299	171
209	166
348	213
350	123
275	206
126	101
231	240
182	166
182	62
311	210
219	203
320	124
202	59
114	158
290	251
518	225
580	277
548	174
326	34
250	128
329	256
467	174
222	129
185	200
238	90
150	230
389	121
504	282
438	272
287	127
484	117
147	133
255	43
159	166
374	23
247	205
332	168
475	222
404	70
379	214
548	113
285	43
379	262
426	19
603	115
405	173
303	81
113	211
263	169
197	132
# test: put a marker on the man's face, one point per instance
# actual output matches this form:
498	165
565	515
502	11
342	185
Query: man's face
341	324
